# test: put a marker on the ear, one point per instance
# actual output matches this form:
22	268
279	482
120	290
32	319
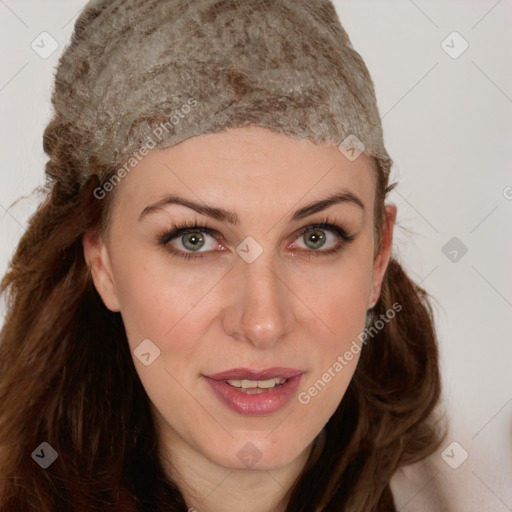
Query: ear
98	260
381	260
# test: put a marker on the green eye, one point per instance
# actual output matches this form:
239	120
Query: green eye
314	239
193	241
322	239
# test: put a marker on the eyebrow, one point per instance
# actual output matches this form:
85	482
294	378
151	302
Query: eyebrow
225	215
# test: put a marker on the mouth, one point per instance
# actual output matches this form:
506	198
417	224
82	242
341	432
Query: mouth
255	392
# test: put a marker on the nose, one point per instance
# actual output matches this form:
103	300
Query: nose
260	308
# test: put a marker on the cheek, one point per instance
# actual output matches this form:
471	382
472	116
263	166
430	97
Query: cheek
170	307
341	304
338	295
167	308
158	296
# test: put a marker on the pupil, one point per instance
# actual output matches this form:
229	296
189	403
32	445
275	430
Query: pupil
193	241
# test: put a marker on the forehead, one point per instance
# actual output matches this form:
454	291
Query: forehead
250	169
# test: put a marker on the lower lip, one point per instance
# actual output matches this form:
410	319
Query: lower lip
259	404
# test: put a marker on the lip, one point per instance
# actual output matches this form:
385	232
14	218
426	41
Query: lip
250	374
261	404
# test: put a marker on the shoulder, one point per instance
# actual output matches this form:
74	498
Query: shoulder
431	485
416	488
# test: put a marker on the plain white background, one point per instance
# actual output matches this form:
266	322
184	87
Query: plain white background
448	124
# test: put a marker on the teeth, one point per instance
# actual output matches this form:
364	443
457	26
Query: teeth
270	383
261	384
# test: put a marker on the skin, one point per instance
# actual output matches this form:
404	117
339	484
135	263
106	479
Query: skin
289	308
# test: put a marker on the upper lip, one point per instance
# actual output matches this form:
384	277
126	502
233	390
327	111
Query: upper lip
250	374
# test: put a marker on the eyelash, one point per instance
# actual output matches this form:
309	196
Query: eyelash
183	228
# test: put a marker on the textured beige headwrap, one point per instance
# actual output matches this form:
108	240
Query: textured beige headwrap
199	66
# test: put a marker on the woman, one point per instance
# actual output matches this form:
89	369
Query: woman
204	313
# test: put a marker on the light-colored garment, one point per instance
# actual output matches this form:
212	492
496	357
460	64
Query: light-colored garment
439	484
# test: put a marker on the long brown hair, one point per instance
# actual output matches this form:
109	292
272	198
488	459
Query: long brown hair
67	377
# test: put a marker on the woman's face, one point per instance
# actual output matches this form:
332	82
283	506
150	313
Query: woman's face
241	326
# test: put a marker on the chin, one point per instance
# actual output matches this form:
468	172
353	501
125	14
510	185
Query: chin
258	453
